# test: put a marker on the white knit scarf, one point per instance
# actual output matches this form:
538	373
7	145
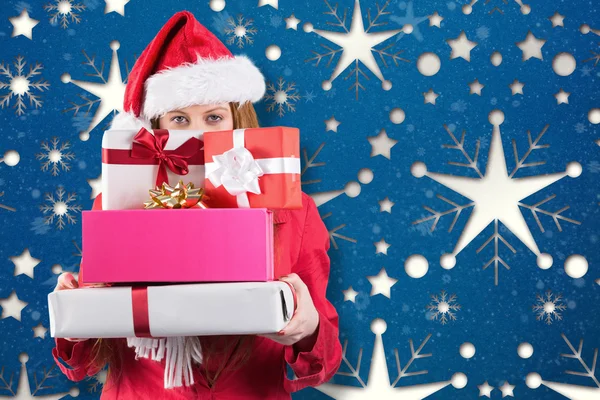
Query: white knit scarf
179	353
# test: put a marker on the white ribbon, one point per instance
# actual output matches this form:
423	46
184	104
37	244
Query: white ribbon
179	352
238	171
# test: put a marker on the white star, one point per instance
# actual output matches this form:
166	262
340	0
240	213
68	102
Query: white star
23	25
381	283
461	47
357	45
386	205
381	247
562	97
117	6
507	389
516	87
475	87
497	194
96	185
12	306
531	47
381	144
26	391
350	294
272	3
292	22
332	124
430	97
39	331
378	384
435	19
24	264
111	92
557	20
485	389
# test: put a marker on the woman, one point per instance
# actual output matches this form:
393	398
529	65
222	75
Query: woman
187	79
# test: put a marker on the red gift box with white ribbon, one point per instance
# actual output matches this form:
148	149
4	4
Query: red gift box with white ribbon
253	168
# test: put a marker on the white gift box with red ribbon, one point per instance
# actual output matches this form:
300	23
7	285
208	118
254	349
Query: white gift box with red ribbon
171	310
127	177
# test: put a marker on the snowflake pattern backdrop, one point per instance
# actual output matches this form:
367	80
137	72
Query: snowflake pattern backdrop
452	148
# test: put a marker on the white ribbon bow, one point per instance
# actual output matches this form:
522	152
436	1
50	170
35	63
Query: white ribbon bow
237	171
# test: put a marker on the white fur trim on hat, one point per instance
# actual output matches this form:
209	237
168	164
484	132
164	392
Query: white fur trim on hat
128	121
208	81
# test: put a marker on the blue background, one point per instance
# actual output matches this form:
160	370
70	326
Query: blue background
496	319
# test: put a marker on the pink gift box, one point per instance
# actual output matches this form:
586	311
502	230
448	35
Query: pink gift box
185	245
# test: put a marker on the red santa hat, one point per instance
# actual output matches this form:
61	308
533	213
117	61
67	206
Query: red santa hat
185	64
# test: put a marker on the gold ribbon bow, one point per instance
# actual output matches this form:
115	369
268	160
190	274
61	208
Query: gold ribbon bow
180	196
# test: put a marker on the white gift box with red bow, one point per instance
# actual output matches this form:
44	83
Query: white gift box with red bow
133	162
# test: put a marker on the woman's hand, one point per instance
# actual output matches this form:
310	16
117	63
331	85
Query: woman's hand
66	281
305	320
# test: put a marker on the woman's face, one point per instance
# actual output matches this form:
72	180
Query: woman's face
214	117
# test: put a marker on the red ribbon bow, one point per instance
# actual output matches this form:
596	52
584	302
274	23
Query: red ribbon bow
146	145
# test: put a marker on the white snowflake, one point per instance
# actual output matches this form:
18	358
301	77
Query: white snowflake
20	85
60	209
281	97
65	11
468	8
55	158
240	31
549	307
357	45
496	196
443	307
109	94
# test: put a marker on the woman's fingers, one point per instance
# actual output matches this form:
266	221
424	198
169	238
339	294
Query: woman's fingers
294	326
66	281
74	339
296	282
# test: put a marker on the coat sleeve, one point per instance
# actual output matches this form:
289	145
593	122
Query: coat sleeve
319	361
76	355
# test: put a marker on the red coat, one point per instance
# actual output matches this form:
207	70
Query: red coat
303	242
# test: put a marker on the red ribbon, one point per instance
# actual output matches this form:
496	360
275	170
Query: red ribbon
141	317
150	149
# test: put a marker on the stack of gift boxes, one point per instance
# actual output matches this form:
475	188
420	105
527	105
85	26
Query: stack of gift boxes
183	244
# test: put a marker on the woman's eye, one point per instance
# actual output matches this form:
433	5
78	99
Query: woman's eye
179	119
214	118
